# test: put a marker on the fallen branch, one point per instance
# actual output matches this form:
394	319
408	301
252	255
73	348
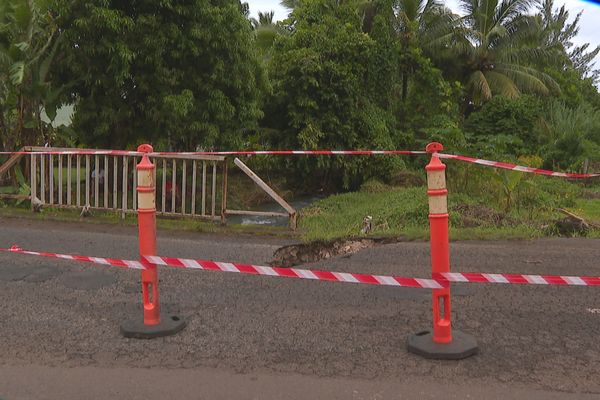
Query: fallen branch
578	218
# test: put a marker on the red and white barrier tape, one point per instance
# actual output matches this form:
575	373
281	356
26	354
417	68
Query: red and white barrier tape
514	167
249	269
494	164
95	260
297	273
90	152
519	279
439	280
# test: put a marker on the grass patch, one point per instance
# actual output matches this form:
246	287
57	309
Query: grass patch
393	212
589	209
404	212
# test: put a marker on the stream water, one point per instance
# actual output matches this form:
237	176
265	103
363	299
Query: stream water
298	204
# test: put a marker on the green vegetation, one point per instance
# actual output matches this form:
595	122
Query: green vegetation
177	73
501	205
503	80
500	80
394	211
402	212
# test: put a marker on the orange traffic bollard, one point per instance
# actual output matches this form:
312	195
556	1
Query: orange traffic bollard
440	252
440	344
150	325
147	236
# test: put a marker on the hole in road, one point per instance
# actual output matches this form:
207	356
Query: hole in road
175	318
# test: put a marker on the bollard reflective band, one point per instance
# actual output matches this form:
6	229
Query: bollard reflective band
439	280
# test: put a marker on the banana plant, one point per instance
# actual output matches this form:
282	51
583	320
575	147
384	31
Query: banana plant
29	42
509	181
513	182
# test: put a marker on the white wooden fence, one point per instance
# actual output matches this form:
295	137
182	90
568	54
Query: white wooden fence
191	186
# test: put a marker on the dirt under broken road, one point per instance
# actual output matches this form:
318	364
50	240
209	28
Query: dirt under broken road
61	315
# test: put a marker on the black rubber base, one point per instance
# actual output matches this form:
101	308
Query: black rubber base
462	346
135	328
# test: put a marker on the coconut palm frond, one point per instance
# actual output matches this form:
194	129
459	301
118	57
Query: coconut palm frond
502	85
527	55
508	10
479	87
526	79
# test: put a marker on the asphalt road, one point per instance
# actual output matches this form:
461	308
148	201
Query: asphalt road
254	337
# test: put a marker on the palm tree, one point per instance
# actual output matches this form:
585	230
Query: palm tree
266	31
496	41
557	32
265	19
423	24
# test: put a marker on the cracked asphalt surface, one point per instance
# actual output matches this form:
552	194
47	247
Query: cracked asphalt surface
261	337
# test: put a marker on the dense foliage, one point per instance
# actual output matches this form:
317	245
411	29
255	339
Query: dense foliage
501	79
180	73
324	91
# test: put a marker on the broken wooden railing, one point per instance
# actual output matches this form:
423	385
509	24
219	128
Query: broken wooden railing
290	211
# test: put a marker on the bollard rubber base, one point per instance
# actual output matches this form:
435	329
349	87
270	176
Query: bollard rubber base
135	328
462	346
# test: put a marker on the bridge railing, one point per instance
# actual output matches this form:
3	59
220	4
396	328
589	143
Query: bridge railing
187	185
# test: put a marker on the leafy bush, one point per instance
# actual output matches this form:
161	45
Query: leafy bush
374	186
323	99
571	134
503	126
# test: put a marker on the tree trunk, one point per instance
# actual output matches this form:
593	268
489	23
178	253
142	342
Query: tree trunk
6	141
404	86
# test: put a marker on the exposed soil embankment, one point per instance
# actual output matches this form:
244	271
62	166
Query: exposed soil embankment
297	254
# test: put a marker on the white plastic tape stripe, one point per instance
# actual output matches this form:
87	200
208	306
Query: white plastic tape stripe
345	277
574	280
495	278
387	280
535	279
229	267
305	273
193	264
